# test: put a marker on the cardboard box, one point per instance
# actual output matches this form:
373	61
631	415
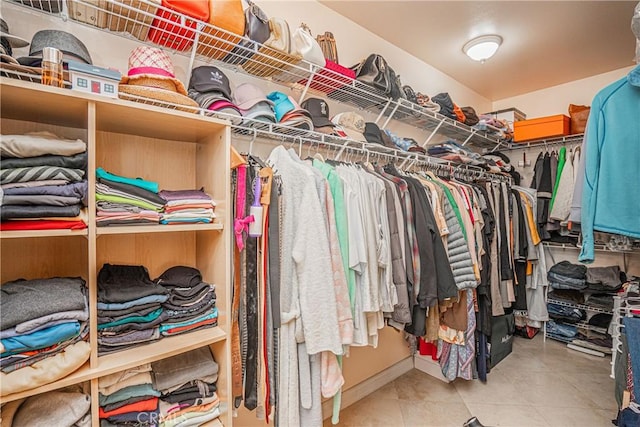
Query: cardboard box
544	127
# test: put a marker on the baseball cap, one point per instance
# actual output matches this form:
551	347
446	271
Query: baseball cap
352	124
247	95
281	104
260	111
319	111
207	79
206	99
372	133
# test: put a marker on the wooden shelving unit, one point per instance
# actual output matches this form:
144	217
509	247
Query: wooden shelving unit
176	149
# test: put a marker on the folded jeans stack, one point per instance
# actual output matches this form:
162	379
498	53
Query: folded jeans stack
43	328
560	330
187	383
565	314
126	201
191	302
128	398
66	407
129	307
565	275
43	182
187	206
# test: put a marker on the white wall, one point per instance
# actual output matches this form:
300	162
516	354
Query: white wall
556	99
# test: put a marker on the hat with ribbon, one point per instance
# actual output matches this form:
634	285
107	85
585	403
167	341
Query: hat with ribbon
151	75
70	46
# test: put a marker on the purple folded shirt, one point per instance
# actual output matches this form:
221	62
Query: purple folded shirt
169	195
76	189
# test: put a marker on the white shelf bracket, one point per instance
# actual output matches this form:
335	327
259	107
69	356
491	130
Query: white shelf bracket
386	122
382	112
433	133
306	86
473	132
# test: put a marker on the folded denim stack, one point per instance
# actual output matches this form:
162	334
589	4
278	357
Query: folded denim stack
561	331
191	302
43	328
565	275
126	201
65	407
129	307
565	314
187	383
128	398
43	182
187	206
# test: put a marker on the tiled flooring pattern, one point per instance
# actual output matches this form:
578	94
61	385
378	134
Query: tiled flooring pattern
537	385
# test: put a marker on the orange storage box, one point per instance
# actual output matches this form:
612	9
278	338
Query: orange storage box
167	28
543	127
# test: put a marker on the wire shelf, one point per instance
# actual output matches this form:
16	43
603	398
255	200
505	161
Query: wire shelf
247	127
150	22
562	140
580	306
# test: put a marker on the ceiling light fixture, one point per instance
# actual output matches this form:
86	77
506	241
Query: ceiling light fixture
482	48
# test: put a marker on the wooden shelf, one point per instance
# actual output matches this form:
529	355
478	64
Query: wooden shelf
84	373
25	234
161	349
161	228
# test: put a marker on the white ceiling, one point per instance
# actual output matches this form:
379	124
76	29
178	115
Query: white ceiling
545	42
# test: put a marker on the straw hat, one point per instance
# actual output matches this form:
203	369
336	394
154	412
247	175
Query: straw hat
151	76
152	63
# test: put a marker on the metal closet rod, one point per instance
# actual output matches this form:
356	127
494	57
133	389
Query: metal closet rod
338	146
565	140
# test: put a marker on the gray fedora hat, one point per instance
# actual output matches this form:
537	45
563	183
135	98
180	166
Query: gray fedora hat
70	46
14	41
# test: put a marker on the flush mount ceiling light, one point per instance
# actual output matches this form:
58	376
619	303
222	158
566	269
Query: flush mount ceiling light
482	48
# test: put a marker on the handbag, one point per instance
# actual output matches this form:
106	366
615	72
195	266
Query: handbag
226	15
256	23
303	44
375	71
579	115
173	34
328	45
280	38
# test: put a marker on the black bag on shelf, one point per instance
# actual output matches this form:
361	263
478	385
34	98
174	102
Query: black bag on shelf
375	71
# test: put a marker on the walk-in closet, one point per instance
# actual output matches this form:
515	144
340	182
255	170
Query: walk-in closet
319	212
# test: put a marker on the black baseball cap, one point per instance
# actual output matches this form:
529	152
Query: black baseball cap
319	110
210	79
372	133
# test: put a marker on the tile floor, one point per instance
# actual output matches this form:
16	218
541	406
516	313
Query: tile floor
537	385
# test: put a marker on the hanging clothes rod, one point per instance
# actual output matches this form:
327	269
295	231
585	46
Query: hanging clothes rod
565	140
337	147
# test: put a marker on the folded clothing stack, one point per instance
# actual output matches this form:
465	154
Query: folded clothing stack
129	307
128	398
187	383
565	314
565	275
43	182
65	407
561	331
43	328
126	201
191	302
187	206
604	279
